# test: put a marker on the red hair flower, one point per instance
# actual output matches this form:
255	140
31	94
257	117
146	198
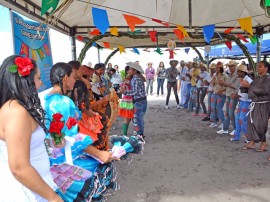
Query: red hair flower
22	65
71	122
57	117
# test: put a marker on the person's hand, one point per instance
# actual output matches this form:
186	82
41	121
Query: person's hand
57	198
244	83
105	156
61	145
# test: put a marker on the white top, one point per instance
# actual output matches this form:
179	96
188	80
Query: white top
116	78
244	96
205	76
182	75
12	190
210	78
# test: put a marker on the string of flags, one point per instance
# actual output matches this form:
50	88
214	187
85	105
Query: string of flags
32	53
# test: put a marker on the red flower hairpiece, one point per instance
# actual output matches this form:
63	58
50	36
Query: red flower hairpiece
22	65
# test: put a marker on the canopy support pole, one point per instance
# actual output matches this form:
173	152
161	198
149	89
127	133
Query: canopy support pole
259	49
73	44
98	49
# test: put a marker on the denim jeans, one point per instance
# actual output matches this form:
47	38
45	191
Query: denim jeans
209	104
201	92
217	103
160	83
138	120
187	96
149	83
192	98
230	109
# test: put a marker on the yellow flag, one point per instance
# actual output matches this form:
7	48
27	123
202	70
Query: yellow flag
34	54
114	31
183	30
246	24
121	49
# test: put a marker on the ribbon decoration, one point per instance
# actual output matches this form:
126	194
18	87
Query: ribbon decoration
95	32
152	35
187	50
229	44
166	24
240	36
68	153
106	44
47	50
246	24
47	5
34	55
136	51
100	19
114	31
182	29
121	49
208	32
24	50
132	21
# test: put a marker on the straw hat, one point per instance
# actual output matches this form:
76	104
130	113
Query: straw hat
149	63
232	62
213	66
171	61
242	68
135	66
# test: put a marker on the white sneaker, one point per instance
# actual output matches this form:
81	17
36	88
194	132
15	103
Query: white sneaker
166	107
232	133
221	131
220	126
178	107
213	125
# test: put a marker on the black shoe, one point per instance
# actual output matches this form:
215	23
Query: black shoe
206	119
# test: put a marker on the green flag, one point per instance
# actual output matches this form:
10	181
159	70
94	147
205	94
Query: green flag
47	5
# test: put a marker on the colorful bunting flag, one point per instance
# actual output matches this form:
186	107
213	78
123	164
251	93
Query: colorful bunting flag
227	31
208	32
240	36
114	31
229	44
187	50
135	32
136	51
41	53
95	32
94	44
100	19
267	3
132	21
152	35
253	39
166	24
158	50
24	50
179	34
80	38
246	24
47	50
106	44
34	55
121	49
182	29
47	5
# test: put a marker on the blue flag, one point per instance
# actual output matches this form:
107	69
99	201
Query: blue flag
136	51
100	19
208	32
187	50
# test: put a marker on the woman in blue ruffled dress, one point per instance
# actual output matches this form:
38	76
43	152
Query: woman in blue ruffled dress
78	175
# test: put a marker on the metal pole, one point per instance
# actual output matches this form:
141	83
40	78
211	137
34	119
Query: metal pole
259	49
98	49
73	44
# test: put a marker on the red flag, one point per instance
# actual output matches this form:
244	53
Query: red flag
80	38
229	44
47	50
95	32
166	24
132	21
106	44
227	31
24	50
152	35
179	34
242	37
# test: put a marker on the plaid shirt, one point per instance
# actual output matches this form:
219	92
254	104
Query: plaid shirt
137	88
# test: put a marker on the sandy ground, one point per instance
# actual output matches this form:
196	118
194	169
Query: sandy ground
185	160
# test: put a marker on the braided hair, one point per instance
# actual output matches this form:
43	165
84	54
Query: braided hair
22	89
80	94
58	72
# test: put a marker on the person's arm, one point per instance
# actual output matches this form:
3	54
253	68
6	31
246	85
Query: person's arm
104	156
265	90
18	131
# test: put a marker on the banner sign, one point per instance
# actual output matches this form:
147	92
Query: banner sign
32	40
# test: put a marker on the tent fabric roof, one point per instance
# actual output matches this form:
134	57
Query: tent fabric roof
192	14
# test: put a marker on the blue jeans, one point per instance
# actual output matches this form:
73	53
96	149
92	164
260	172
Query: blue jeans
192	98
209	104
187	96
149	83
139	112
230	109
217	103
201	92
160	83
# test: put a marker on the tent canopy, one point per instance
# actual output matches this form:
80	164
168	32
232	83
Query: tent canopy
76	18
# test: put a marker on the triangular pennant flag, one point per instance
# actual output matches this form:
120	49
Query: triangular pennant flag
134	32
229	44
158	50
227	31
267	3
208	32
80	38
219	36
121	49
47	5
47	50
106	44
34	55
182	29
100	19
207	49
152	35
95	32
136	51
166	24
24	50
114	31
41	53
94	44
179	34
246	24
187	50
253	39
132	21
240	36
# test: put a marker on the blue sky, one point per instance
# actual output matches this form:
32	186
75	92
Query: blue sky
5	24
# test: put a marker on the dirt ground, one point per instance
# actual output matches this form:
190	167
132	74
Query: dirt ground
185	160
